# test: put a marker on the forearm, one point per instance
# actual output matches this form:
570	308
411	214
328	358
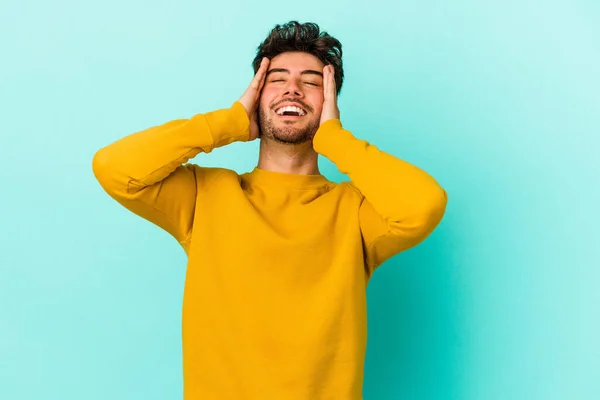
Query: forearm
400	192
149	156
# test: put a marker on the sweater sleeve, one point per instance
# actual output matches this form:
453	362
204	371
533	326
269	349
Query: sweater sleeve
401	205
145	171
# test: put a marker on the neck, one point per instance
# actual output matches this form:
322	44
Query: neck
288	158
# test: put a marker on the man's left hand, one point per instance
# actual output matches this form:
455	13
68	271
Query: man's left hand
330	107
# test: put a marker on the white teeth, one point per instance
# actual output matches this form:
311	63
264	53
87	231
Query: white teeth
283	109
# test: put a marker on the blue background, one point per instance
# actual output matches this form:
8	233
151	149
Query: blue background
499	101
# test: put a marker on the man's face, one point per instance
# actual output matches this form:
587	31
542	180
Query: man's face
294	79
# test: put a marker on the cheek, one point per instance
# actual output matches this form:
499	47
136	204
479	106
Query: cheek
262	103
266	97
317	102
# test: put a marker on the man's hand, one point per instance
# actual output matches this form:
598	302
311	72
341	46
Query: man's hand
250	97
330	107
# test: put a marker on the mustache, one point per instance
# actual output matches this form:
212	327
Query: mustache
292	100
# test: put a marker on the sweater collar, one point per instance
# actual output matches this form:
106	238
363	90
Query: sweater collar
274	179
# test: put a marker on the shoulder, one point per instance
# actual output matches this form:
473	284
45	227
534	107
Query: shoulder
207	176
350	189
346	192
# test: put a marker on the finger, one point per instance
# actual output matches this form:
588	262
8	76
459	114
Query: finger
327	87
333	85
326	83
263	72
259	78
252	92
332	91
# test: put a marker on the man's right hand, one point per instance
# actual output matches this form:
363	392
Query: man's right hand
250	97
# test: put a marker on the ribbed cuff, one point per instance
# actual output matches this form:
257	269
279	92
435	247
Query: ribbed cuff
229	125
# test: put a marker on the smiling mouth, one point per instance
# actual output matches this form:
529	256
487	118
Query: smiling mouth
290	111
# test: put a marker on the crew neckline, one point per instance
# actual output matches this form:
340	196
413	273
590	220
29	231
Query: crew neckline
281	179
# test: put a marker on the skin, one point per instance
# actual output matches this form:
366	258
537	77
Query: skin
286	142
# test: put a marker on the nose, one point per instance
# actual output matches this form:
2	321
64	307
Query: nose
293	89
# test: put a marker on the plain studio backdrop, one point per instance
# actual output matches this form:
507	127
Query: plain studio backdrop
498	100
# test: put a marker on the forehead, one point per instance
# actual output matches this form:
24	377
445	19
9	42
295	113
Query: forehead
296	61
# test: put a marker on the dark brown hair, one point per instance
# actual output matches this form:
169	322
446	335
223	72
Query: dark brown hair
307	37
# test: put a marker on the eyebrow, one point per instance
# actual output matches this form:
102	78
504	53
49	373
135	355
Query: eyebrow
287	71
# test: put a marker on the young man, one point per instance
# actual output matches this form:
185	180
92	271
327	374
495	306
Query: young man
278	258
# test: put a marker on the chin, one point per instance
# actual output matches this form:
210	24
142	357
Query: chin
291	137
290	132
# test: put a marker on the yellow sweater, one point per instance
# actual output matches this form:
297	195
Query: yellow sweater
275	294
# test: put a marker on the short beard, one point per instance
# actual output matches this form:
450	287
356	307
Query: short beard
286	135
